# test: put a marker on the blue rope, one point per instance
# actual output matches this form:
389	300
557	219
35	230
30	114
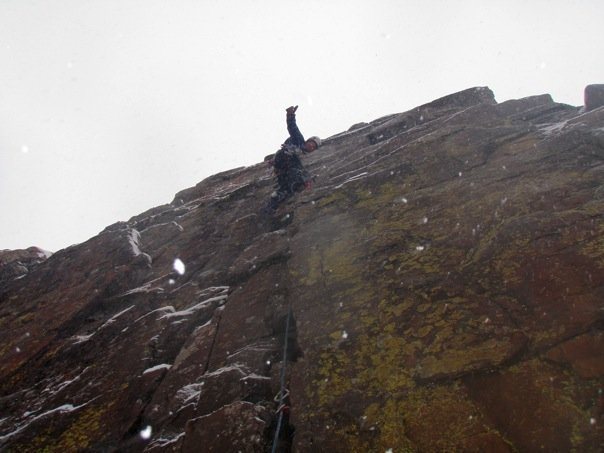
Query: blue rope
282	391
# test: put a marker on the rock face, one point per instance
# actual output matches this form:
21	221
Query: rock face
446	282
16	263
594	96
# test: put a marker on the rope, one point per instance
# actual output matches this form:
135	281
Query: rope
282	393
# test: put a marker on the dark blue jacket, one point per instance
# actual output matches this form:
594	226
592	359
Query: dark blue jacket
291	175
295	136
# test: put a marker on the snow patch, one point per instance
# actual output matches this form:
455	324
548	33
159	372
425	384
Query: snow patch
159	225
165	441
168	308
82	338
203	326
147	287
163	366
64	384
554	128
354	178
114	317
65	408
191	310
256	376
44	254
188	393
225	369
134	239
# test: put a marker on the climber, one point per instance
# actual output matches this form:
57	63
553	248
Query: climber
291	175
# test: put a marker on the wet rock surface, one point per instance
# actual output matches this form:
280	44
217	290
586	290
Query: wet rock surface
445	277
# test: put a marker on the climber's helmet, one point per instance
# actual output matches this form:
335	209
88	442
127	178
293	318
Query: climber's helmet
312	144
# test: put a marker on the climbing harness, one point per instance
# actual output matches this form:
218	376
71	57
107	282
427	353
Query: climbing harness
283	392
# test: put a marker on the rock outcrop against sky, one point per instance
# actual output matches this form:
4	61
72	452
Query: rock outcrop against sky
446	282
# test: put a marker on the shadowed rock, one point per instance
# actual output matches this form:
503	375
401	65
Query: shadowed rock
594	96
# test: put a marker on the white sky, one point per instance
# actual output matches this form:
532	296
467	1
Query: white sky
108	108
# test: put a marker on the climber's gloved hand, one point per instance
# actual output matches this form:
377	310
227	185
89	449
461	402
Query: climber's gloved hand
291	110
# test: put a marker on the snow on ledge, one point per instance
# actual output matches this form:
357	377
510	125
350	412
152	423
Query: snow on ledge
163	366
191	310
163	442
65	408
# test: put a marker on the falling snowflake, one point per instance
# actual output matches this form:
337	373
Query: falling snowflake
425	220
146	433
179	266
420	248
344	334
25	149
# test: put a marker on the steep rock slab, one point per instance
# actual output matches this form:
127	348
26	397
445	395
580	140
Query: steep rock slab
462	262
446	257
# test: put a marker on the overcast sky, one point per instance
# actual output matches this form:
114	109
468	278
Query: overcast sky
108	108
